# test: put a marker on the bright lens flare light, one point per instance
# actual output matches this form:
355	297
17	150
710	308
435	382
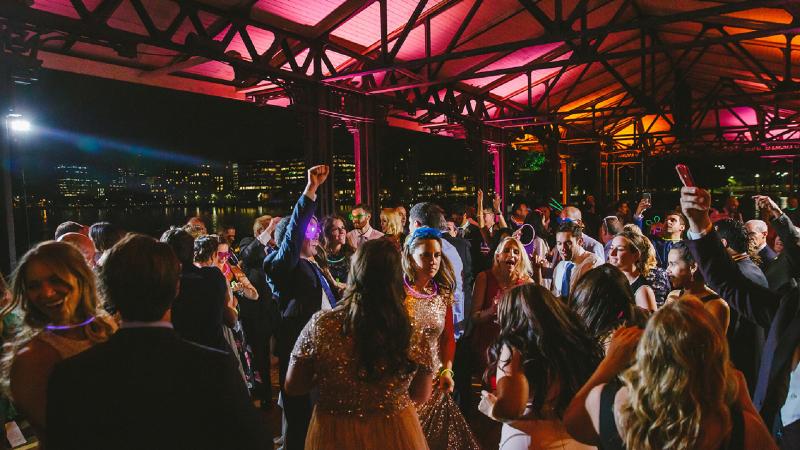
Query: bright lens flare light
17	124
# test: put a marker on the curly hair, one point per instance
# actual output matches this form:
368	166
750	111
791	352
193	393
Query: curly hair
445	278
555	345
681	375
376	317
66	262
205	246
640	244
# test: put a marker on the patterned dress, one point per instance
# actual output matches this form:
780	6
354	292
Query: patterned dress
352	413
442	422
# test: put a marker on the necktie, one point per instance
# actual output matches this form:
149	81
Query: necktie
323	282
565	280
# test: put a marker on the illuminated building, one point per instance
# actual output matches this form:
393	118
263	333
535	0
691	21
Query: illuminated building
75	184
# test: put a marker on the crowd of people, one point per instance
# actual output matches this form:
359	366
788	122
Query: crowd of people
583	330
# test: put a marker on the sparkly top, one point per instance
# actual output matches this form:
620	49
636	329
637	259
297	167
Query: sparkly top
341	390
65	347
427	324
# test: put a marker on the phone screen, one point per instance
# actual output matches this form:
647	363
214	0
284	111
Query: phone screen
646	196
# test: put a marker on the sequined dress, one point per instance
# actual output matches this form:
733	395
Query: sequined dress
442	422
351	413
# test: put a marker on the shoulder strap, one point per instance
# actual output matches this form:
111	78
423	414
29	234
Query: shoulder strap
609	436
736	439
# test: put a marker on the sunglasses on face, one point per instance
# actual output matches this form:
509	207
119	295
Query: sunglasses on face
223	255
357	216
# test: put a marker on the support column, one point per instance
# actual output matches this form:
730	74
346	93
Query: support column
8	248
317	146
564	169
365	157
497	152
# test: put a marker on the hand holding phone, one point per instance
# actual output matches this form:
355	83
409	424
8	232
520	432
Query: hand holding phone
685	175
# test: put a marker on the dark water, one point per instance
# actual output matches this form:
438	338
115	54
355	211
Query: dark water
40	224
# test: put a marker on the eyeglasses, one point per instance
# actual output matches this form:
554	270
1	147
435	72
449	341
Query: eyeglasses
357	216
224	255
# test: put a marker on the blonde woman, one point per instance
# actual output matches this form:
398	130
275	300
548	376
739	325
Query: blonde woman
392	225
633	254
56	292
429	282
680	393
510	267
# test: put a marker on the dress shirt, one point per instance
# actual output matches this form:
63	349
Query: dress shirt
790	411
357	237
583	263
458	295
589	244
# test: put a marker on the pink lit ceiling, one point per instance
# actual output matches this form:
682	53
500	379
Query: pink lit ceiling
511	56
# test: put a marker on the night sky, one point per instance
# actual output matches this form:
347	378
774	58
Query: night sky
105	123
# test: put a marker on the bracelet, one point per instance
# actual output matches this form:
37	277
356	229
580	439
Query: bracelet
444	371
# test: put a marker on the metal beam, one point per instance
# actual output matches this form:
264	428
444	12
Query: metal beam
592	33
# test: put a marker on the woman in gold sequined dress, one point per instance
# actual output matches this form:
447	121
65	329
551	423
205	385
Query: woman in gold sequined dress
358	356
429	281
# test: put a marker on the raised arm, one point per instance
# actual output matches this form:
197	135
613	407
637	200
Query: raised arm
582	416
756	303
496	204
482	228
288	252
786	230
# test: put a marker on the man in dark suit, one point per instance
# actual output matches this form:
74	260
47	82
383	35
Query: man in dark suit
778	387
198	309
146	387
745	337
301	289
757	238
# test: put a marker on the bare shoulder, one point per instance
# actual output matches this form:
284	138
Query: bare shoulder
31	368
33	357
756	434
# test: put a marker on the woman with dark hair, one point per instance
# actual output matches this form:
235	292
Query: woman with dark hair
207	254
603	300
681	392
685	275
105	235
542	356
429	281
358	356
56	292
336	252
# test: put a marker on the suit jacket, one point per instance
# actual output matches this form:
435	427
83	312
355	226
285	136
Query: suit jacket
148	388
776	312
463	248
293	279
767	255
198	309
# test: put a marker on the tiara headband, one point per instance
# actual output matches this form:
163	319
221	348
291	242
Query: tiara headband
424	233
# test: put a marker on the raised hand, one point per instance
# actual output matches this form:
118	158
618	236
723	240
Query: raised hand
318	174
695	203
496	202
764	202
644	205
622	348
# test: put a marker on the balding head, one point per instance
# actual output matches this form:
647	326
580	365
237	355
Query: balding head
83	243
572	213
756	232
